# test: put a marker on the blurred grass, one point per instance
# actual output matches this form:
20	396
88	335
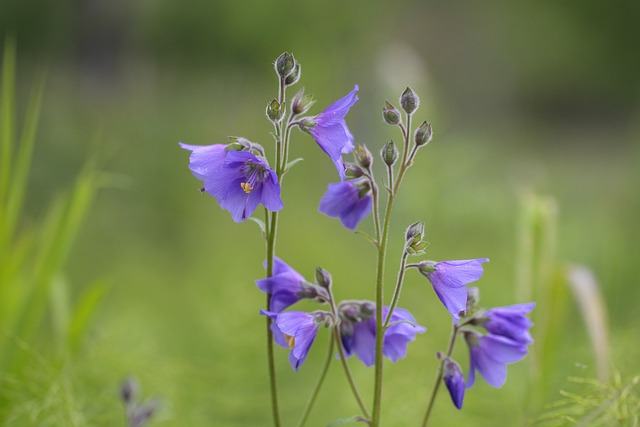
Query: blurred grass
181	313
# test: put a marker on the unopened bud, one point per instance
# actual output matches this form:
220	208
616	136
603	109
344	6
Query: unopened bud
367	308
409	100
423	134
294	76
275	111
285	64
390	114
413	238
389	153
129	390
323	278
353	171
363	157
300	103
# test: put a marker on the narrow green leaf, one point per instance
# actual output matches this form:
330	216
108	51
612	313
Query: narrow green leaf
261	224
18	187
84	313
346	421
8	117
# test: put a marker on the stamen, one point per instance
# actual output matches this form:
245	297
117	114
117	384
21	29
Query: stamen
246	186
291	341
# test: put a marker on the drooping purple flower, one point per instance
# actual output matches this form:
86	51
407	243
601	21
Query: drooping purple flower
238	180
490	354
278	336
454	380
284	286
330	130
360	339
449	280
299	329
345	200
510	322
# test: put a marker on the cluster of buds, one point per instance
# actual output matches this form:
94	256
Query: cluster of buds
414	245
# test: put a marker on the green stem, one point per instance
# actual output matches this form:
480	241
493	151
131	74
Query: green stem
347	372
436	384
382	252
316	389
271	245
398	289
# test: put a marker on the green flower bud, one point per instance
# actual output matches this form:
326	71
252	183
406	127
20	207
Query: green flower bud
409	101
423	134
300	103
363	157
294	76
275	111
390	114
285	64
389	153
323	278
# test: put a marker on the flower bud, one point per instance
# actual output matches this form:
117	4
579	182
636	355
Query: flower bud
285	64
323	278
275	111
363	157
300	103
454	380
390	114
367	308
423	134
294	76
409	100
129	390
413	239
389	153
353	171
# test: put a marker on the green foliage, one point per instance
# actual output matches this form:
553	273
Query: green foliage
32	257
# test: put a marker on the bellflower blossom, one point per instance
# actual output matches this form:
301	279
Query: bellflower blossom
490	354
454	380
449	279
330	131
361	339
238	180
510	322
284	286
299	330
345	200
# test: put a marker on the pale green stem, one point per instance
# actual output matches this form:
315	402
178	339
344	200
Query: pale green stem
436	384
316	389
347	372
398	289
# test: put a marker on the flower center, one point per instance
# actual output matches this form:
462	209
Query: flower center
246	187
291	341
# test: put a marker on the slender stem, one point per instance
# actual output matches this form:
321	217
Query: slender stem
271	250
382	251
398	289
375	194
316	389
436	384
347	372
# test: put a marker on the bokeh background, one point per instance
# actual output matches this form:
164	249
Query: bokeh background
535	164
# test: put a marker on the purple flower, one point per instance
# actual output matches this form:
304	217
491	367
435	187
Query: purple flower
449	279
299	330
510	322
238	180
284	286
454	380
345	200
489	354
330	130
278	336
361	339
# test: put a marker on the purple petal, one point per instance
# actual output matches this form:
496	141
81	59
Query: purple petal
458	273
454	380
278	336
352	215
205	159
454	299
339	109
271	193
364	343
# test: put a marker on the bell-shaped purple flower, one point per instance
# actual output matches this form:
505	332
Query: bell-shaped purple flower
238	180
454	380
330	130
510	322
347	200
449	280
284	286
299	330
489	354
360	337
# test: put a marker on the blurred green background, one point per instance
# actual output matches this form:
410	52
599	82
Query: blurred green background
526	98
